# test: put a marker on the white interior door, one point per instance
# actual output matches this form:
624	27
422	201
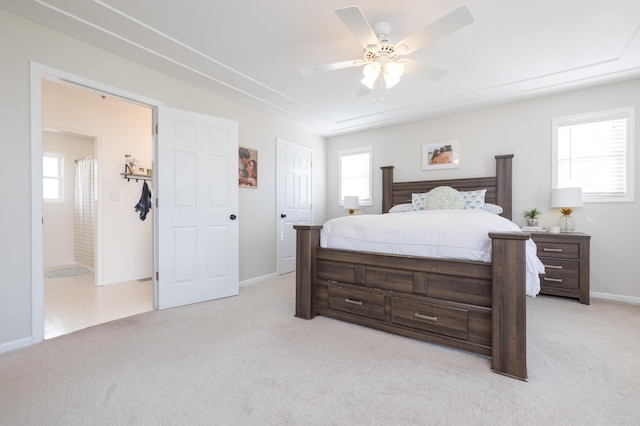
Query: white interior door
294	199
197	194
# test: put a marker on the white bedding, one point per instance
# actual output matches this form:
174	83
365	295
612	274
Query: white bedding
453	234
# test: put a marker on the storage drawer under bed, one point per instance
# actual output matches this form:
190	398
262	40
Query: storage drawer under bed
453	322
366	303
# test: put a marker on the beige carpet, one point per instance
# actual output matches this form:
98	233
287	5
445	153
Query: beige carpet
248	361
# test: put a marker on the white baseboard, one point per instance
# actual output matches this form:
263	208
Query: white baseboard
616	297
16	344
258	279
59	264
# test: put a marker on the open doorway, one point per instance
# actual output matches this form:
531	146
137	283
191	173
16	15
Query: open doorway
98	253
183	270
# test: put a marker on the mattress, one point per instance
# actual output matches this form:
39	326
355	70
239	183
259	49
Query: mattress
461	234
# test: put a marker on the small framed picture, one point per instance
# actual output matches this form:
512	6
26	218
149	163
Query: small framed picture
247	167
440	155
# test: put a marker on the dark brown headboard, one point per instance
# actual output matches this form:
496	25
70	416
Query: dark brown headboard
499	187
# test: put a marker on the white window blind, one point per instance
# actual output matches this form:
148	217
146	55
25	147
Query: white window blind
355	175
594	151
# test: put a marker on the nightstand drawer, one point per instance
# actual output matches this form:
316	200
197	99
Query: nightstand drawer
558	250
560	273
365	303
428	317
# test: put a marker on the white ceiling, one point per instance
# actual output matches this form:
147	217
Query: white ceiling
252	51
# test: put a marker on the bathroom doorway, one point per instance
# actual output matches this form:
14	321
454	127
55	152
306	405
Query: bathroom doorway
85	281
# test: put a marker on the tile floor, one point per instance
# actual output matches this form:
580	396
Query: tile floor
74	303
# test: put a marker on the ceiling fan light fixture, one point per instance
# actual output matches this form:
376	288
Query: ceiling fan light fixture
392	73
370	72
390	82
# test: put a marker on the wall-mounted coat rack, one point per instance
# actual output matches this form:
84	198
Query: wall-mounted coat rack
129	177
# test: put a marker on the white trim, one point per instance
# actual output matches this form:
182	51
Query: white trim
616	297
16	344
39	72
258	280
37	239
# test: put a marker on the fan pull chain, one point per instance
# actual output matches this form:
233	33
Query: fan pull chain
381	91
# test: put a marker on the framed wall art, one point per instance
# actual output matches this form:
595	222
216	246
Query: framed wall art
247	167
440	155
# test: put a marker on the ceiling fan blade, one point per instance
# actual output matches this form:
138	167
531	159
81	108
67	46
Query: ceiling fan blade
331	67
427	72
353	18
446	25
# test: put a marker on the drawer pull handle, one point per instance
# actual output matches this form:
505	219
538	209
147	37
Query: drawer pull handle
555	280
353	302
553	266
551	249
425	317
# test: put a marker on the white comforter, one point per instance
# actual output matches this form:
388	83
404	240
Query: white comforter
453	234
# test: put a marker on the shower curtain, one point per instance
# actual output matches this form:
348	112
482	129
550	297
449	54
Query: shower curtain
84	217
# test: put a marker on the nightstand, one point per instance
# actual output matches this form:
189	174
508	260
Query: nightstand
566	260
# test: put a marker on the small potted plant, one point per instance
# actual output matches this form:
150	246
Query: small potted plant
532	217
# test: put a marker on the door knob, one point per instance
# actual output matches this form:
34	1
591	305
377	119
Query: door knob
232	217
283	215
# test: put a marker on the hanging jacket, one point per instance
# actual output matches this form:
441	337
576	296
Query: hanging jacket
144	205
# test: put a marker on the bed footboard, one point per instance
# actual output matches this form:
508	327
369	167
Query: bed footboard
474	306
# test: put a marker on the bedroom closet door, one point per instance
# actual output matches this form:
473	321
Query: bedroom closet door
197	208
294	199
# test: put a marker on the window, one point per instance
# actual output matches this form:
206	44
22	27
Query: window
595	151
52	177
355	174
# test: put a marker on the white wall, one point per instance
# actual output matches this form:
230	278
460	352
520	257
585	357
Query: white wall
524	129
124	248
31	42
58	217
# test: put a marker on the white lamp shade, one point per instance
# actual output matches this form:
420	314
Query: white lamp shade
351	202
566	197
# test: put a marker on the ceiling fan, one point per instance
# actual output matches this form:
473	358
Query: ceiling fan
382	57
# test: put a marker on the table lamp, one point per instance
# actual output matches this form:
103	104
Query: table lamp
566	199
351	203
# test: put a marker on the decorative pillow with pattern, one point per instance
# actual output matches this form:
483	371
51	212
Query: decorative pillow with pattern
492	208
441	197
398	208
473	199
417	201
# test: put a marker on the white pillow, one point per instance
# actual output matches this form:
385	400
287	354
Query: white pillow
398	208
492	208
441	197
473	199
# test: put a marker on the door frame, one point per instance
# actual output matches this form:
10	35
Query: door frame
39	72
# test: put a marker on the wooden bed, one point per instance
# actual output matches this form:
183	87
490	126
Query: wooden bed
475	306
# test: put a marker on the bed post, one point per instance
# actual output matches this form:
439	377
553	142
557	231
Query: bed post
504	185
307	240
387	188
509	305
